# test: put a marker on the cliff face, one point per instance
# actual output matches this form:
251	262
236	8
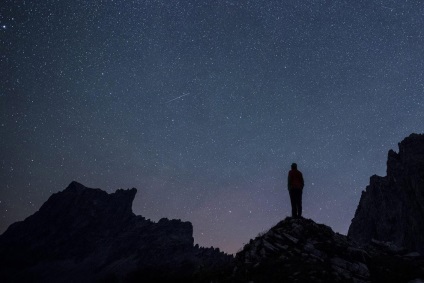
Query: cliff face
391	209
83	234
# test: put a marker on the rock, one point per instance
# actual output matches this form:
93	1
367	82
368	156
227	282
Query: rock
83	234
391	207
413	254
319	255
291	238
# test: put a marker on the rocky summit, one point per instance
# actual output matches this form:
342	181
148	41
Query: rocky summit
391	209
300	250
87	235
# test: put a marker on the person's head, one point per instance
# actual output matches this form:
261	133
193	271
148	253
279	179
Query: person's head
294	166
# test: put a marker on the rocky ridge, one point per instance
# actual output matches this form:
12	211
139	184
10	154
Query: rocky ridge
391	209
300	250
87	235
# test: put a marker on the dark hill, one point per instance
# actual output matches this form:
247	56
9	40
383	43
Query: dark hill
86	235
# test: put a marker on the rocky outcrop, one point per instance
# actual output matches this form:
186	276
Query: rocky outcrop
391	209
300	250
86	235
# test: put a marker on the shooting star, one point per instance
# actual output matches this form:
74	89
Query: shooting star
177	97
388	8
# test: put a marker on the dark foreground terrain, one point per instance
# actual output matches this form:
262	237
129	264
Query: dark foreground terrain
87	235
300	250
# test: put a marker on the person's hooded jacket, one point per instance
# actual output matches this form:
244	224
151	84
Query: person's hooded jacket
295	180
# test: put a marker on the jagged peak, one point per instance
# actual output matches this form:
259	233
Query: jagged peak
412	137
412	147
74	185
414	143
390	209
77	199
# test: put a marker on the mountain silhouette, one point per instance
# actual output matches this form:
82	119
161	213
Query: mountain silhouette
87	235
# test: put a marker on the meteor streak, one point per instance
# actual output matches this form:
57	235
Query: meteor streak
177	98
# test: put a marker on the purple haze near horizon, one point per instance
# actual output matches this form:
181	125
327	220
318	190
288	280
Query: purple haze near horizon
203	105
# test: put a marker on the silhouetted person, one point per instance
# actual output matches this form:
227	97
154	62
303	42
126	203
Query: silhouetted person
295	185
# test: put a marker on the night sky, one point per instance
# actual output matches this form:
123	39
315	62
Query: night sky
203	105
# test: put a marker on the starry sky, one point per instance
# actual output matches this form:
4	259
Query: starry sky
203	105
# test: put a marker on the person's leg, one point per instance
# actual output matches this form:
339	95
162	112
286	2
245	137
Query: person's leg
299	203
293	202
